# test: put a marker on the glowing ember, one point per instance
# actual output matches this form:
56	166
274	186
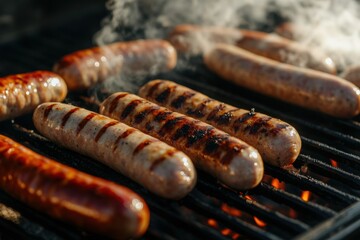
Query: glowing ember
248	197
212	223
277	184
235	236
230	210
292	213
305	195
225	232
259	222
334	163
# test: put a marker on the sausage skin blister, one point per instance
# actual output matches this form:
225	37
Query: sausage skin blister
307	88
278	142
22	93
67	194
83	69
196	39
229	159
157	166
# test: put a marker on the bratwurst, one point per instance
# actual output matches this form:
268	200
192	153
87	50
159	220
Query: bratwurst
229	159
278	142
22	93
157	166
198	39
303	87
85	68
67	194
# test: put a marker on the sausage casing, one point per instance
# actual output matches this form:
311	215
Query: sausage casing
22	93
303	87
69	195
159	167
84	68
196	39
229	159
277	142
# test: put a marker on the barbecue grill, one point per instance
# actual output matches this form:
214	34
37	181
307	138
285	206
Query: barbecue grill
318	198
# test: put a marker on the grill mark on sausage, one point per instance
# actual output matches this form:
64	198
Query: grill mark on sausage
212	114
142	145
47	111
67	116
198	135
153	88
141	115
229	156
241	119
199	111
103	129
258	123
84	122
179	101
225	118
125	134
169	125
278	128
168	153
183	131
114	102
130	108
162	115
213	142
163	96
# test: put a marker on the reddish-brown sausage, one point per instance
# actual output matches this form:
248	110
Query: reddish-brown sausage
196	39
67	194
21	93
303	87
231	160
84	68
278	143
159	167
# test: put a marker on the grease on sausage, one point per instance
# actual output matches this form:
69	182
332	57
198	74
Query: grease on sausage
67	194
231	160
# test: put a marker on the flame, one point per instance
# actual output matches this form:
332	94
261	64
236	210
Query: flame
334	163
259	222
305	195
230	210
226	231
212	223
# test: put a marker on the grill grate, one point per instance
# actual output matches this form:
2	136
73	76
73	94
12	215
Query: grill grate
204	214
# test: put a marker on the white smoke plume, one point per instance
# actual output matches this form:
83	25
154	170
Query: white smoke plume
330	25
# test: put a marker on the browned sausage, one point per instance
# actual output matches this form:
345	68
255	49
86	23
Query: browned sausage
21	93
231	160
159	167
352	74
84	68
278	143
194	38
303	87
67	194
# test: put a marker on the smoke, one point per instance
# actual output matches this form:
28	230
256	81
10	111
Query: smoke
329	25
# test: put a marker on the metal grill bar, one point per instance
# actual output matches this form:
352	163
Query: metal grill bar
252	207
311	184
293	201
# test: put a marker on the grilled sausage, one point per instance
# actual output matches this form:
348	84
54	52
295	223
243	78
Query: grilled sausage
69	195
21	93
232	161
303	87
160	168
84	68
352	74
277	142
192	38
